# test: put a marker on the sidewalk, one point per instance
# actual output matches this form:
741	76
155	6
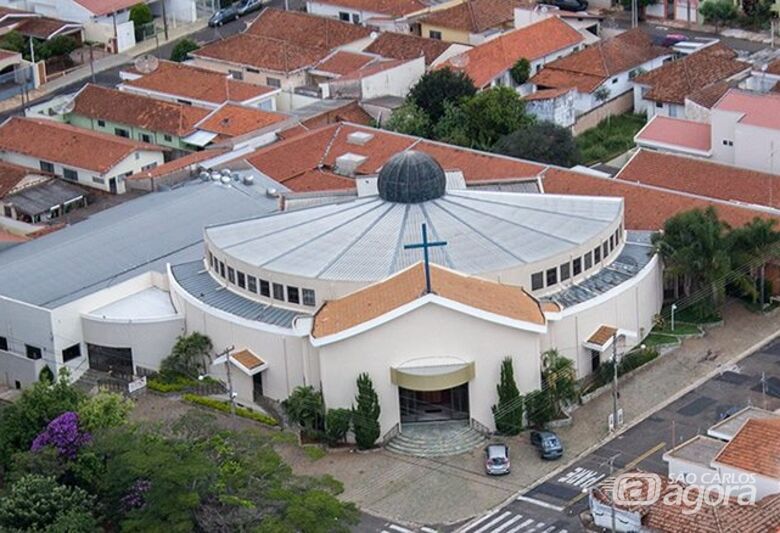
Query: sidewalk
100	65
452	489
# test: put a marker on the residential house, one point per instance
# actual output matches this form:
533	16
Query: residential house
189	85
389	15
393	77
743	130
85	157
552	105
34	25
696	77
542	42
280	47
33	196
469	22
742	447
407	46
237	126
603	71
764	76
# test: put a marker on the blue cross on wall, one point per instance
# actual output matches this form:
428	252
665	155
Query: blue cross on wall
425	245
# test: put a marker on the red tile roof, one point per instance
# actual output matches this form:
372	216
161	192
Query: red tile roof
709	95
409	285
186	81
676	132
304	30
646	207
11	175
393	8
342	62
45	27
105	7
589	68
703	178
475	16
61	143
262	53
406	46
773	67
676	80
491	59
546	94
373	68
102	103
233	120
306	157
755	448
762	110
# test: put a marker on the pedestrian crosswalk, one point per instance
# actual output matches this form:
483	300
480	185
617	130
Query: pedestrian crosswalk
395	528
503	521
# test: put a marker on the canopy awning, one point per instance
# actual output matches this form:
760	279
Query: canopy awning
432	373
602	339
200	138
245	360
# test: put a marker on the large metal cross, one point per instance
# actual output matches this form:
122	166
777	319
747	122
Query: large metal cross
425	244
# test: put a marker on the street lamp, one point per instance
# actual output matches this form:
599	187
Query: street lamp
674	308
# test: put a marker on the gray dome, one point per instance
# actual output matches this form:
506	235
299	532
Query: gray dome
411	177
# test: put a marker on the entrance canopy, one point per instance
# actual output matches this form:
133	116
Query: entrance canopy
602	339
245	360
432	373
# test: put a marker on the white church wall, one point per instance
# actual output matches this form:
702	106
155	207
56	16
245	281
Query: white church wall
430	331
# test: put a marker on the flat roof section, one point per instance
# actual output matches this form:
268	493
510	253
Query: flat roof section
699	450
147	304
683	135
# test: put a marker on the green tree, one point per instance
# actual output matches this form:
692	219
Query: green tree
601	94
141	15
438	87
452	127
508	412
337	423
305	408
182	49
365	415
190	356
539	408
38	405
61	45
718	12
46	374
39	504
541	141
13	41
559	380
105	410
755	243
410	120
491	114
695	251
520	71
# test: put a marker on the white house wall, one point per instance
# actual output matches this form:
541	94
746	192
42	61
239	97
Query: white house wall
393	82
429	331
333	11
20	324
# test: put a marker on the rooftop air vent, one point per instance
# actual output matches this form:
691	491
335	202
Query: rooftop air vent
249	179
347	164
359	138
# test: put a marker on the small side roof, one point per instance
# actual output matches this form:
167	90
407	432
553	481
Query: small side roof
676	134
407	286
406	46
699	450
755	448
728	428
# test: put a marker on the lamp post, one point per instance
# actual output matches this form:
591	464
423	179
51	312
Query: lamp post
674	308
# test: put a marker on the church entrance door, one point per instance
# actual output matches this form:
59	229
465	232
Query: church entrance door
431	406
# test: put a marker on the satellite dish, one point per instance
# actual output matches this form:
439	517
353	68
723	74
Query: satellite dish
374	35
146	64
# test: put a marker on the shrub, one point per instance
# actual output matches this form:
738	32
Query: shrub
520	71
224	406
189	356
508	412
540	408
305	408
39	503
337	423
170	383
105	410
183	49
365	416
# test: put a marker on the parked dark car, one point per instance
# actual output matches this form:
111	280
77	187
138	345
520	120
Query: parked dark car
223	16
548	444
728	412
671	39
497	459
568	5
247	6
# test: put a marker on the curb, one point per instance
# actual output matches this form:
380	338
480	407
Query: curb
641	418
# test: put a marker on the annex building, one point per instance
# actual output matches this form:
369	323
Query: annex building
338	284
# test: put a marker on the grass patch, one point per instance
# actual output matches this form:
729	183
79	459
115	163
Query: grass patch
657	339
679	329
695	315
224	406
314	453
610	138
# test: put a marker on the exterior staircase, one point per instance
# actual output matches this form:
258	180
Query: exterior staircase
436	439
88	381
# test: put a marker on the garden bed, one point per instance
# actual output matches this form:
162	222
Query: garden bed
612	137
224	406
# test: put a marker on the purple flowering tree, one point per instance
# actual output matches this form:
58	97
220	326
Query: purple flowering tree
136	496
64	434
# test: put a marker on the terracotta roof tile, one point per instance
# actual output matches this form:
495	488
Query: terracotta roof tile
61	143
262	52
755	448
646	207
676	80
686	134
404	46
701	177
709	95
44	27
409	285
373	68
150	114
247	359
589	68
233	120
304	30
757	109
186	81
342	62
489	60
104	7
475	16
11	175
602	335
545	94
773	67
393	8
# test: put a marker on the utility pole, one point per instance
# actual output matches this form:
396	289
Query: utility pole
232	394
91	62
165	21
763	388
614	384
612	498
634	14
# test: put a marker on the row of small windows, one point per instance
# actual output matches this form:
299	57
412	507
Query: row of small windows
552	276
290	294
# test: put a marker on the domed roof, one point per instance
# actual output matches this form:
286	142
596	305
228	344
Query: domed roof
411	177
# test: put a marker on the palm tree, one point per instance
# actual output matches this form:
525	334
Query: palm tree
559	379
695	249
752	246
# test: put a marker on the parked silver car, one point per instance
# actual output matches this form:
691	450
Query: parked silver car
497	459
247	6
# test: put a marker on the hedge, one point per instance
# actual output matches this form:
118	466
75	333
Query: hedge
224	406
177	384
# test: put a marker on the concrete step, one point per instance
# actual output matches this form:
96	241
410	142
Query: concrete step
436	439
89	380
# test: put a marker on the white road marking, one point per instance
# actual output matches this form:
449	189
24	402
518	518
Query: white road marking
540	503
399	528
428	530
581	477
507	524
493	522
475	524
537	526
521	526
549	529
